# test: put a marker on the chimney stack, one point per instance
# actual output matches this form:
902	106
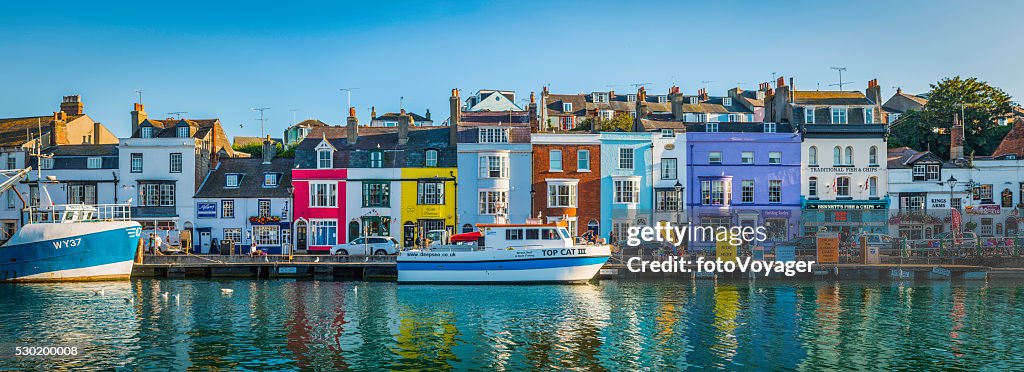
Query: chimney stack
956	139
404	122
352	126
641	108
427	115
455	110
874	92
675	96
72	105
59	118
373	112
532	110
95	133
138	116
269	150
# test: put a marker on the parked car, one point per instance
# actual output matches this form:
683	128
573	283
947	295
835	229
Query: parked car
365	246
886	244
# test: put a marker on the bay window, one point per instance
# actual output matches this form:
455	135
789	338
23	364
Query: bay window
627	191
492	202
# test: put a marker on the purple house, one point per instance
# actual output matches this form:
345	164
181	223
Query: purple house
744	174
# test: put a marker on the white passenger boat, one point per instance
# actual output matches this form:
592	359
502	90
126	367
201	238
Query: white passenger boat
504	253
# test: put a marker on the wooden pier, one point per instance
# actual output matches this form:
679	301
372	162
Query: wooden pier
274	266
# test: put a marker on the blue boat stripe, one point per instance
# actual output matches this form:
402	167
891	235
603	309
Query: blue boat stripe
502	265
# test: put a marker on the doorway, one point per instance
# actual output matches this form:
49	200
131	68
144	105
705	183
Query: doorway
204	242
300	235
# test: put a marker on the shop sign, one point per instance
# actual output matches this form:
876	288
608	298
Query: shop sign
988	209
206	210
776	213
828	247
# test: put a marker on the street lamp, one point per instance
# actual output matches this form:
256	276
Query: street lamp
679	201
952	234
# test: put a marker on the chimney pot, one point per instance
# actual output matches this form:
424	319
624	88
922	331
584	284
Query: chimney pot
351	126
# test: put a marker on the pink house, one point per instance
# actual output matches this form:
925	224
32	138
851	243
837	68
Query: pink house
319	208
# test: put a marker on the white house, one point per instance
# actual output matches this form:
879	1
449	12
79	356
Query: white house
162	164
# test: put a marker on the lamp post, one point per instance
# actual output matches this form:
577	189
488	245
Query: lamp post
285	217
679	201
952	234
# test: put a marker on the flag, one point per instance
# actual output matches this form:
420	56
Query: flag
956	220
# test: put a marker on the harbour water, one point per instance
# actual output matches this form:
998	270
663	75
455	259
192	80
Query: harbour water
611	325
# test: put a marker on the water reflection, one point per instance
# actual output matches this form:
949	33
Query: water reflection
178	324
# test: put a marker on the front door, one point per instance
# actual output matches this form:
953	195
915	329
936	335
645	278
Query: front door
204	242
300	237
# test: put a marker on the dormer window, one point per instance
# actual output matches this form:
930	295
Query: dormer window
233	180
769	127
270	179
869	115
184	132
45	163
430	158
727	101
631	98
662	98
668	133
324	159
693	100
566	107
324	155
711	127
493	135
376	159
599	97
146	132
839	115
808	115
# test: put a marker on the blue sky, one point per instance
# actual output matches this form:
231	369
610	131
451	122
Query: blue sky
215	59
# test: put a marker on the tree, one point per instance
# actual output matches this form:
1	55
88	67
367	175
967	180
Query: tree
620	122
980	103
256	150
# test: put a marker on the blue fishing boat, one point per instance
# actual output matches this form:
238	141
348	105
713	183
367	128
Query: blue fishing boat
69	242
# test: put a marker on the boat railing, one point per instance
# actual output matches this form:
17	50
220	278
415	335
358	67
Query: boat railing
64	213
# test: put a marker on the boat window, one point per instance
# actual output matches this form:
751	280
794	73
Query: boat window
514	234
565	234
532	234
549	234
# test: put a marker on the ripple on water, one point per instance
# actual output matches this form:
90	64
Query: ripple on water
612	325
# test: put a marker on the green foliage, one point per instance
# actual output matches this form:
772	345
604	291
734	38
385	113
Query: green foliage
256	150
622	122
980	103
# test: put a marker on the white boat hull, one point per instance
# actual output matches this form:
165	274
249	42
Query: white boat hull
542	265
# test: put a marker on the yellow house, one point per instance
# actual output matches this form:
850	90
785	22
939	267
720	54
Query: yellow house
428	200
